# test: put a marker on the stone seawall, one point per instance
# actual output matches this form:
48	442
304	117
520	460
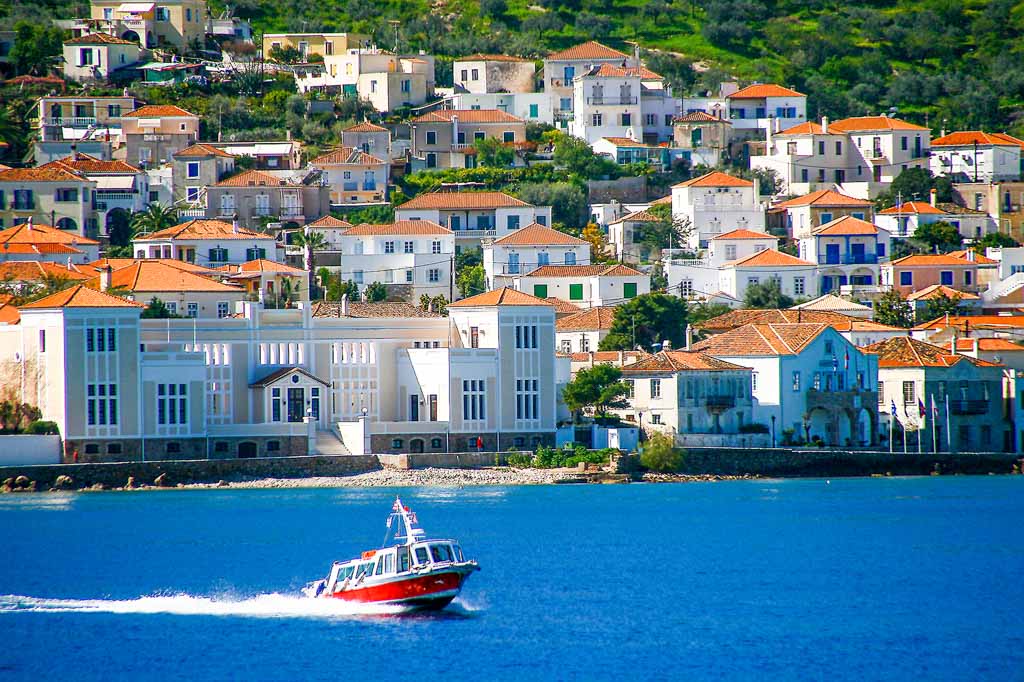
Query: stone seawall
782	462
116	474
444	460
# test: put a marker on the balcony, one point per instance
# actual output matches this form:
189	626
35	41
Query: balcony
483	232
563	115
849	259
23	206
195	213
611	101
72	121
291	212
720	402
461	146
962	407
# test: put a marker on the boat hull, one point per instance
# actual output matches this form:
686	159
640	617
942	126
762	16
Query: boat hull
429	591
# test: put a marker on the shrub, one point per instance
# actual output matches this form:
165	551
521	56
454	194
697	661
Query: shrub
659	453
42	428
520	460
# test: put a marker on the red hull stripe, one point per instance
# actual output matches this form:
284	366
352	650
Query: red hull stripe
412	588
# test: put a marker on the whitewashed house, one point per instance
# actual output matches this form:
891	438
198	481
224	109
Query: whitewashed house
976	156
797	278
848	251
715	203
209	243
527	249
583	331
698	279
410	257
586	286
904	219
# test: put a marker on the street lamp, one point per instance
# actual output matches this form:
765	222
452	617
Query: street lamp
773	430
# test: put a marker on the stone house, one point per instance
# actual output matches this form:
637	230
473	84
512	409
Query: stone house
197	167
153	133
485	73
444	138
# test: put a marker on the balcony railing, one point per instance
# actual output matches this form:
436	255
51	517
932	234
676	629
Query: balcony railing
489	232
720	402
461	146
617	101
848	259
968	406
563	114
291	212
23	205
71	121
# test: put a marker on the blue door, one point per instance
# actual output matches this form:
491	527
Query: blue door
857	252
832	254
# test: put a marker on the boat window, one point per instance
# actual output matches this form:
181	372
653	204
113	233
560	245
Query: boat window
403	560
440	553
380	565
421	555
365	570
458	552
389	563
348	572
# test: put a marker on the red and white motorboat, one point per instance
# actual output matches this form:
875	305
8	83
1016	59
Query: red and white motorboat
419	574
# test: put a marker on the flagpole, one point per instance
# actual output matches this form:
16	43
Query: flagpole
935	435
919	429
890	433
949	434
904	438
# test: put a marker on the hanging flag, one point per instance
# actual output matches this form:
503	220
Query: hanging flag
920	408
935	408
893	409
846	359
835	364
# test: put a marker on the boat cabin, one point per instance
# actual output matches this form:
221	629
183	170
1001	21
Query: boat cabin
392	561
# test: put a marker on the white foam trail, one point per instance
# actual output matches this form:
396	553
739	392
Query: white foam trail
271	605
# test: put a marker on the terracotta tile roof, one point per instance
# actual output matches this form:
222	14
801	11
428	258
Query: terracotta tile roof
919	207
368	310
673	361
823	197
831	302
90	164
856	123
642	216
365	127
462	201
492	58
928	260
265	265
159	111
614	270
978	258
562	307
502	296
200	149
50	172
118	263
606	356
9	314
625	142
468	116
204	229
806	128
347	155
967	138
33	233
904	351
989	344
588	50
936	290
599	318
399	227
845	225
329	221
762	90
744	234
39	249
150	276
539	235
699	117
612	71
34	271
715	179
662	201
737	318
955	209
255	178
768	258
762	339
80	296
966	323
99	39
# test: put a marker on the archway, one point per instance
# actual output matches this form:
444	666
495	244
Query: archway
820	426
846	428
416	445
118	227
247	450
68	224
132	36
863	430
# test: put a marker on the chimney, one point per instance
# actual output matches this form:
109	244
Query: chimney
952	343
105	274
28	223
974	346
688	335
931	196
344	305
234	225
666	344
824	125
636	54
971	255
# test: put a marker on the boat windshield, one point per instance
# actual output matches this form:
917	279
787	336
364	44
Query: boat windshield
441	553
421	555
458	552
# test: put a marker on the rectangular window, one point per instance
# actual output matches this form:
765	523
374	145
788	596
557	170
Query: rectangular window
839	148
474	407
192	309
389	247
407	247
434	275
101	404
512	222
431	137
796	381
66	194
527	399
906	278
799	286
534	113
946	277
474	337
540	290
575	292
655	388
629	290
435	247
192	169
908	392
223	310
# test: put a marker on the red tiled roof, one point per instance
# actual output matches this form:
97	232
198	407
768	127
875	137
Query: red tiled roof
673	361
599	318
762	90
588	50
967	138
823	197
462	201
744	234
737	318
625	142
856	123
715	179
33	271
80	296
502	296
904	351
90	164
202	149
615	270
365	127
806	128
769	258
347	155
762	339
159	111
204	229
966	323
920	207
399	227
562	307
100	39
33	233
845	225
255	178
149	276
978	258
540	235
468	116
936	290
991	345
329	221
642	216
612	71
699	117
491	58
50	172
929	260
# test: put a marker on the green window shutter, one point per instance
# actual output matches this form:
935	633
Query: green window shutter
629	290
575	292
540	290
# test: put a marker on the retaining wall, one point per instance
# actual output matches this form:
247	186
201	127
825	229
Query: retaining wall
21	449
193	471
444	460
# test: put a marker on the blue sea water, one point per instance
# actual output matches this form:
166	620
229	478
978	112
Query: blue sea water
853	579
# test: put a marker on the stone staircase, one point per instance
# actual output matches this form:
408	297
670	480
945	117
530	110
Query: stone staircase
328	443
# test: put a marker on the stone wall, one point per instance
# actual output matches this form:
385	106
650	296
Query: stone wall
381	443
193	471
444	460
783	462
163	449
631	190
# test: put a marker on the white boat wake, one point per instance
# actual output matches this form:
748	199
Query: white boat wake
271	605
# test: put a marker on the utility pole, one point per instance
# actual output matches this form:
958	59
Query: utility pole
451	279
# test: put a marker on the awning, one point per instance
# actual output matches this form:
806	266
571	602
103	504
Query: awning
114	182
136	7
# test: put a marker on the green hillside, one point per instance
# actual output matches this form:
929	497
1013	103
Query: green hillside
948	63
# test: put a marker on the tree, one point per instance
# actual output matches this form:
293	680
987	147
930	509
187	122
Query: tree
156	217
492	153
891	309
938	306
600	251
376	292
915	184
766	295
996	240
670	231
36	47
337	289
769	181
156	310
599	388
646	320
567	201
471	281
576	156
660	453
439	304
701	312
940	237
310	241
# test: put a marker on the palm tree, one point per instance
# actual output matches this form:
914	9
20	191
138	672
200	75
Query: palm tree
310	241
156	217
